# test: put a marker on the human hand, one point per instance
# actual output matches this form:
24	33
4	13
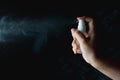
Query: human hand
86	41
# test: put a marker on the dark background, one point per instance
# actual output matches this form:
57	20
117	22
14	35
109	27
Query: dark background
36	39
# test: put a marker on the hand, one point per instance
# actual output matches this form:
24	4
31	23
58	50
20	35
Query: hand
87	47
86	41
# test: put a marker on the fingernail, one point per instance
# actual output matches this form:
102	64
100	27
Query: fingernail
82	18
75	52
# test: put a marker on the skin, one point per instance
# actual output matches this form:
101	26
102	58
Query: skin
88	49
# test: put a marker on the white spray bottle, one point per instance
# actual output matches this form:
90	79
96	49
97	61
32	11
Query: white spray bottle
81	26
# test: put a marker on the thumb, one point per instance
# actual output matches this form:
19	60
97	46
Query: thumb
79	36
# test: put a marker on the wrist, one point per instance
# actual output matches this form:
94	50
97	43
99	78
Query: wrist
96	61
99	63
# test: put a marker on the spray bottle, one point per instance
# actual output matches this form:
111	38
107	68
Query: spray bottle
81	26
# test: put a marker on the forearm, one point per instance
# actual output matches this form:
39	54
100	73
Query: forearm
107	67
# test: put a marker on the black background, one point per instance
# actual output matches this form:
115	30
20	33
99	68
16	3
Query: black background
56	59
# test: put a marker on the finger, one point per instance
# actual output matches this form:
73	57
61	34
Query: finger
81	18
86	34
78	35
72	33
75	45
74	50
74	42
79	51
